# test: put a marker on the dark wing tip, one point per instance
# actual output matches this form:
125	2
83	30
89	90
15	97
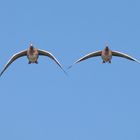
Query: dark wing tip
65	73
69	67
63	70
1	74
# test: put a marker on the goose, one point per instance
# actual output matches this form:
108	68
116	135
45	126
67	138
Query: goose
106	55
32	54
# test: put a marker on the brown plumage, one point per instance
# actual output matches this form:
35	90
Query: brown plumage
106	56
32	55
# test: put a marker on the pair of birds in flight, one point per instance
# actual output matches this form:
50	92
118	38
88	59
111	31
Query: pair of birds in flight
33	54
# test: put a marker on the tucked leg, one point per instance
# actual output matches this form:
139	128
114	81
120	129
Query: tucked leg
36	62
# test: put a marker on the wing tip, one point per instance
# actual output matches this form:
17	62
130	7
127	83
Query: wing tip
69	67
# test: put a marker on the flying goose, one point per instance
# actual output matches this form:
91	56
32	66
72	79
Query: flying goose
32	55
106	56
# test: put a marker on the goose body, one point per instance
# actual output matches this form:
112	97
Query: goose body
32	55
106	54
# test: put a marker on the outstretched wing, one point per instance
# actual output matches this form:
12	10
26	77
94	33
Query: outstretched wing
13	58
119	54
90	55
46	53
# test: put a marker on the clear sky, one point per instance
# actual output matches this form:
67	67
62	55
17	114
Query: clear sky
95	101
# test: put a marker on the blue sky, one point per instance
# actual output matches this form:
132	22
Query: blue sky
96	101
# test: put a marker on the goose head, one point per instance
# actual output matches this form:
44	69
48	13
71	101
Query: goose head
106	49
31	47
